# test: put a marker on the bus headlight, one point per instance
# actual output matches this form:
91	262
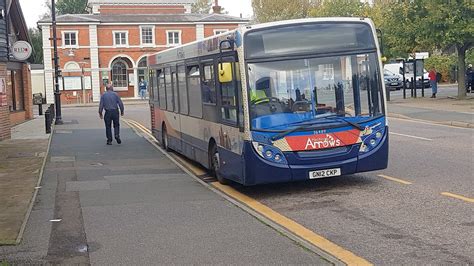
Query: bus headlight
371	141
269	153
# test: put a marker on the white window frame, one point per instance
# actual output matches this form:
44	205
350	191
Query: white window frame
220	31
179	37
126	38
76	32
153	43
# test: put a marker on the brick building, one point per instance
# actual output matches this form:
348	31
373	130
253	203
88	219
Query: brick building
111	43
15	85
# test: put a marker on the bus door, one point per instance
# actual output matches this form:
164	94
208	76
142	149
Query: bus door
229	99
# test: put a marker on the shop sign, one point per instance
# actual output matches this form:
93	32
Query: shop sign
21	50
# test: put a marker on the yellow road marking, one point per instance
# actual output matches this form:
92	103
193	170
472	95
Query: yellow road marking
396	179
447	194
139	125
196	170
340	253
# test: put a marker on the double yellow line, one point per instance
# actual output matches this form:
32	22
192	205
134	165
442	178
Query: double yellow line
321	243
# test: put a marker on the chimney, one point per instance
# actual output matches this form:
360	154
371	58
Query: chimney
216	8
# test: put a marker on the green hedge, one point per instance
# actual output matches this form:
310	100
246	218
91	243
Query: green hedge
444	64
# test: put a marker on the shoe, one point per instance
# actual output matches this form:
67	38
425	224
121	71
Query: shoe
117	138
109	142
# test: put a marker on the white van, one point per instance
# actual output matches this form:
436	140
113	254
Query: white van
398	69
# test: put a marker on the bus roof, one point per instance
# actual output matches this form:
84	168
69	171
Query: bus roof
210	45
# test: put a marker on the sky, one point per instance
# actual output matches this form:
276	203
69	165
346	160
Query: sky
34	9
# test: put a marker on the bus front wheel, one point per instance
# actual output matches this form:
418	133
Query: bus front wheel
215	163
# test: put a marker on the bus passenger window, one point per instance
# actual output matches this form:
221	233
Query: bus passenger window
161	89
183	90
169	90
208	85
194	91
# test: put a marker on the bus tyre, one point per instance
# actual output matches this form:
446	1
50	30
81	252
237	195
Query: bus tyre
215	165
164	139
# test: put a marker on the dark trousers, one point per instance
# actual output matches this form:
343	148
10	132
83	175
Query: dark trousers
112	116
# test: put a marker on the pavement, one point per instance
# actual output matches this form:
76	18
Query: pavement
21	162
129	204
445	109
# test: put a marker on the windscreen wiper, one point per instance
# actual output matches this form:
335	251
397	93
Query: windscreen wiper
354	124
298	128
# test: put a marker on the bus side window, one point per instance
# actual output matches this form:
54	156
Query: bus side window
183	90
208	85
194	91
169	90
161	89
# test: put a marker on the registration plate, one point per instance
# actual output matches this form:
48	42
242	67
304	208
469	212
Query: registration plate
324	173
393	83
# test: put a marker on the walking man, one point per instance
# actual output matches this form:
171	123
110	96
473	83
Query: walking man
111	102
433	81
142	89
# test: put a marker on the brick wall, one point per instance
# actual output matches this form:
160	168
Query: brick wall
5	130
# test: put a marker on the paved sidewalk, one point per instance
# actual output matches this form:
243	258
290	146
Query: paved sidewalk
443	110
21	161
130	205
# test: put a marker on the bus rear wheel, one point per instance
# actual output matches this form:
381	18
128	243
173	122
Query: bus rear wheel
164	139
215	164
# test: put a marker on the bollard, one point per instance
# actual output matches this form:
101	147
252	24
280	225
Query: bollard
412	86
40	109
422	85
404	89
387	92
52	112
47	121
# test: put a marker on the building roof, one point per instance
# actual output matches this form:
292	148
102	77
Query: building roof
138	2
140	18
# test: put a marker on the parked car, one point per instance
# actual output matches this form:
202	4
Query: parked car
397	68
392	80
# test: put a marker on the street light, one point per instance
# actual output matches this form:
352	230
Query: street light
57	93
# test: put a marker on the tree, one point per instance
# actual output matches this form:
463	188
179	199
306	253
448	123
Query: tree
272	10
202	7
449	23
339	8
69	6
37	44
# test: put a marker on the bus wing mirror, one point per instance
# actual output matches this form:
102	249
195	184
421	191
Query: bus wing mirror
225	72
226	45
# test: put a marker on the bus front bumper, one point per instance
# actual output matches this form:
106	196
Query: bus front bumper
260	171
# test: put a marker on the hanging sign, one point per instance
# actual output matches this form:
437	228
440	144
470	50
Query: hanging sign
21	50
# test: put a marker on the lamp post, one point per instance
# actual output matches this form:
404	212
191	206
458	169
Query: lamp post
57	93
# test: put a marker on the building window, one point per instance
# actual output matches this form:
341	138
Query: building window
70	38
174	37
120	38
119	74
219	31
147	34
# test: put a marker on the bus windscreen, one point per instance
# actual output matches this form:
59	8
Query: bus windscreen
308	38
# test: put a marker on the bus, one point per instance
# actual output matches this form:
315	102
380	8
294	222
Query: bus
275	102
